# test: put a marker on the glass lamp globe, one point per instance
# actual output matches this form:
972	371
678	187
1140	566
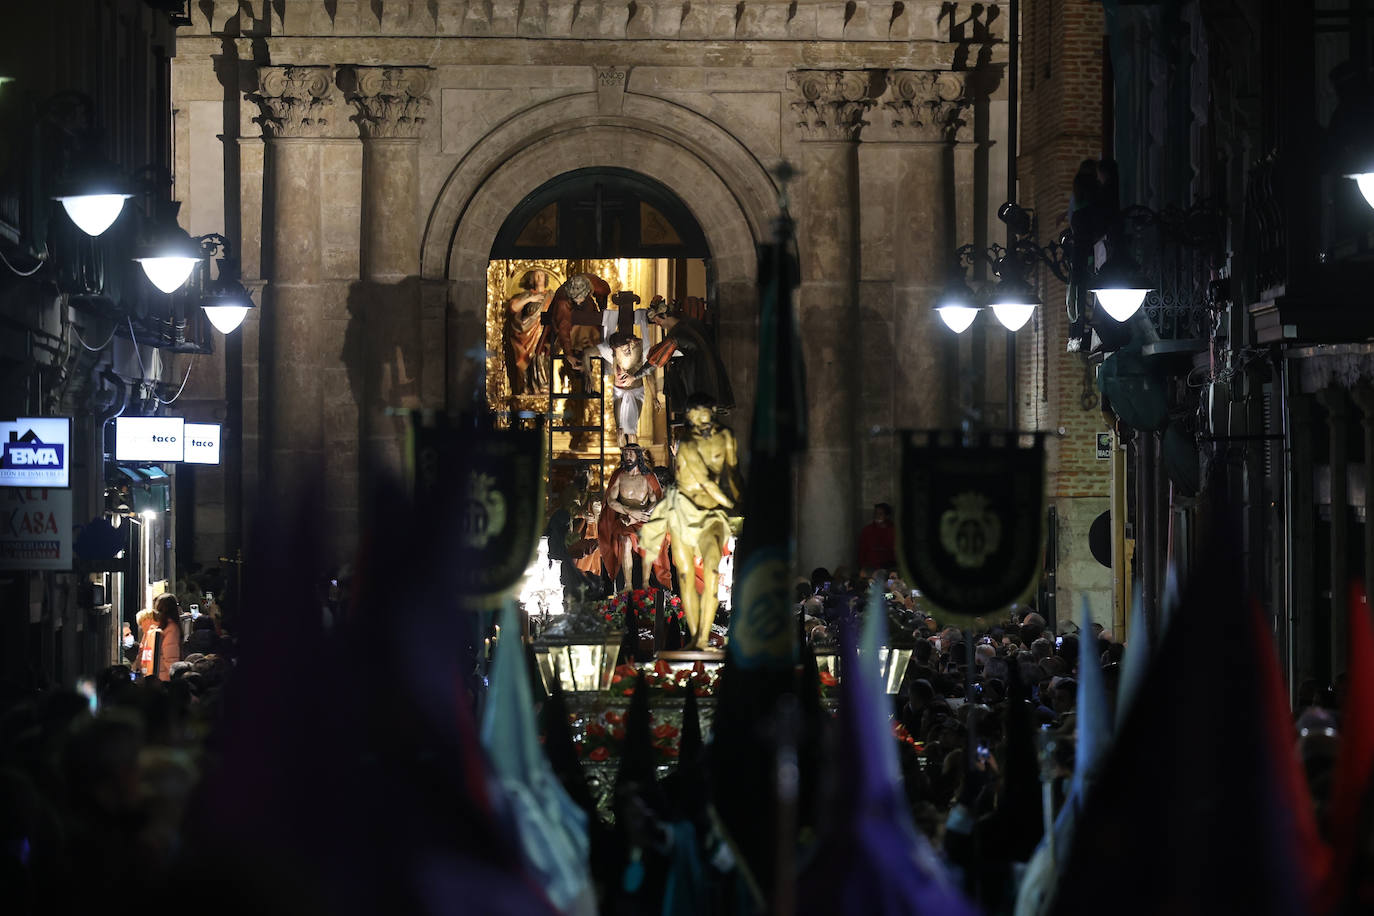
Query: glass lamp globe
1365	182
957	318
94	213
1121	304
1013	315
168	273
226	318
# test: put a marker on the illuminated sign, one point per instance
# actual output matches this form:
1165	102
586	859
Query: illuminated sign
202	443
149	438
36	452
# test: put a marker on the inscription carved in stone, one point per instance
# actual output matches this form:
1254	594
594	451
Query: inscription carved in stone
928	105
295	101
391	101
831	103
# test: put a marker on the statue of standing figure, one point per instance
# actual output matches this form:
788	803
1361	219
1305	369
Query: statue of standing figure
696	513
624	359
631	494
525	337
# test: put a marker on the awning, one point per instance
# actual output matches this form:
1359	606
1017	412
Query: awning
147	476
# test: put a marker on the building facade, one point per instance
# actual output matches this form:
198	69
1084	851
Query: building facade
369	155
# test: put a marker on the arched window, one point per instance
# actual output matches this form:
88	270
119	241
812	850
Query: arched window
600	213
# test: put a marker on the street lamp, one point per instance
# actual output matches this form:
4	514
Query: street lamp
957	305
1119	287
224	299
94	211
169	254
1012	299
92	189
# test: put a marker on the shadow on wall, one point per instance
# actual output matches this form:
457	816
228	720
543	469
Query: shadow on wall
382	351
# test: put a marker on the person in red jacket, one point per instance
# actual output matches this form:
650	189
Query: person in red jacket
877	540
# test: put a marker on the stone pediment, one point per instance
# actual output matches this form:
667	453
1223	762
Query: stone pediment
754	20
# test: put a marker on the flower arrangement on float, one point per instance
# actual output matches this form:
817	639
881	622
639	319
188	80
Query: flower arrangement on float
661	679
603	737
644	603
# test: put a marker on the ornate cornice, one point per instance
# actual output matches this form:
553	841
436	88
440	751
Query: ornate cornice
832	103
392	102
295	101
928	105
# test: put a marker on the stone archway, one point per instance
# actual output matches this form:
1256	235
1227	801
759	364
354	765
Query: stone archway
726	189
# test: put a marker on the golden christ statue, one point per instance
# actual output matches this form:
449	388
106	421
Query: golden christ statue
696	514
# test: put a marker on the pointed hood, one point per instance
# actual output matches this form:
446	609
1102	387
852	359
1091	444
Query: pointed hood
1194	808
872	860
1136	659
1093	717
551	828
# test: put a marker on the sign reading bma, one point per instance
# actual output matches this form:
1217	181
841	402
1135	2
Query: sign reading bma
149	438
202	443
36	452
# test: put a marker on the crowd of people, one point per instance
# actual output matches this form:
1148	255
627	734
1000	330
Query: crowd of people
95	781
97	791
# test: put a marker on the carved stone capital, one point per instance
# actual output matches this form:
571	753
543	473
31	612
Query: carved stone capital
295	101
832	103
928	105
392	102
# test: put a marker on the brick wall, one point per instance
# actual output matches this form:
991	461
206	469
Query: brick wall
1061	124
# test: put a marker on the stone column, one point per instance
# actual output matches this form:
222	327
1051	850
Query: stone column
392	105
830	107
297	106
926	112
907	188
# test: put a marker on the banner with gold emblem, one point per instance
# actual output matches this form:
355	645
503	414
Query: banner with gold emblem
481	491
970	528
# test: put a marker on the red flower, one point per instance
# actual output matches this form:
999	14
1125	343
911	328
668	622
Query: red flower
599	753
665	731
698	668
614	717
661	668
629	692
682	674
596	730
828	679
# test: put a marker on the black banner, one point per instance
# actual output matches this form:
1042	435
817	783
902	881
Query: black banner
481	492
970	529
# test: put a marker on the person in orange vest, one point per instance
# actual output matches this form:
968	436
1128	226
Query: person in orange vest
147	644
167	651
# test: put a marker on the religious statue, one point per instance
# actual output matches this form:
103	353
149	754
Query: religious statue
697	368
696	512
631	494
576	311
525	338
624	358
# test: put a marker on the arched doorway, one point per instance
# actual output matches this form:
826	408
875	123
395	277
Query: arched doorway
724	188
638	238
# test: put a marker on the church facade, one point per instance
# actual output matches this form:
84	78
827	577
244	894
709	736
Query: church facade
367	158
